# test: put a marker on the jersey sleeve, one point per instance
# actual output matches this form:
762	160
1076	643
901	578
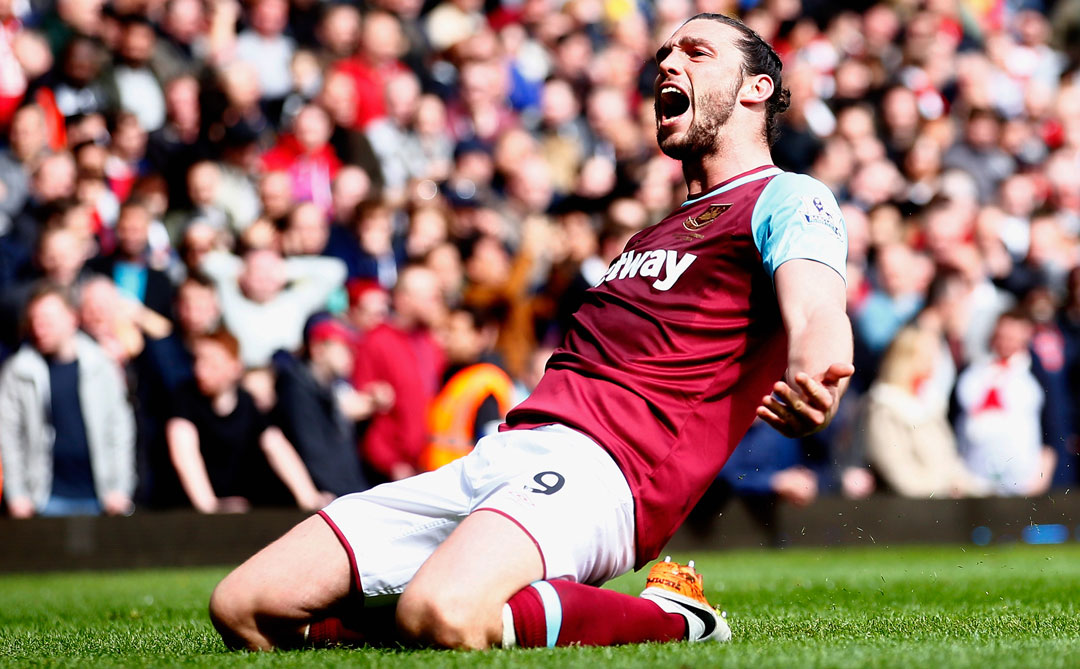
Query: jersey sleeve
797	216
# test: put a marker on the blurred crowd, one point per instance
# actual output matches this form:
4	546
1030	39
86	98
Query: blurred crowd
272	252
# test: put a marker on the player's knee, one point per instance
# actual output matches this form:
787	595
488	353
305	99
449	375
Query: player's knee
441	619
232	615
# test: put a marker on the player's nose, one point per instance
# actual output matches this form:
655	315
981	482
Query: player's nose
671	65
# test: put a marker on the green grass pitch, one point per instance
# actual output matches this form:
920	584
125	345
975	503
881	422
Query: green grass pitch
1012	606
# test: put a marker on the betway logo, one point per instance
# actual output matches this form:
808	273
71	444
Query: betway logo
650	264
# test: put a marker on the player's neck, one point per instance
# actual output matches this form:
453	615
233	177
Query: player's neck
731	159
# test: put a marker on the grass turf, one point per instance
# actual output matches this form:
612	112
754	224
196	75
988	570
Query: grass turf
951	606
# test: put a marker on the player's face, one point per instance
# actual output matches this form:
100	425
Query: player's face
697	87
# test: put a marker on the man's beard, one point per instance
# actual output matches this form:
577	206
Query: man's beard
703	137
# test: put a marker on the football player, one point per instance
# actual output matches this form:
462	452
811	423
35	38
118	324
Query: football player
731	308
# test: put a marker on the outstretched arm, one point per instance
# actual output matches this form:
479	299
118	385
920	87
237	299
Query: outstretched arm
812	299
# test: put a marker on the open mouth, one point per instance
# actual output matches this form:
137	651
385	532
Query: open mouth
672	103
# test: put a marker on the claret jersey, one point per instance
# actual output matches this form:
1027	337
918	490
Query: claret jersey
666	360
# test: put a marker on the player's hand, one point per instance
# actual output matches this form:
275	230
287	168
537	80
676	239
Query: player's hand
808	405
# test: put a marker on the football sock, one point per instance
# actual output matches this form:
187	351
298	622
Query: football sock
561	613
369	626
332	632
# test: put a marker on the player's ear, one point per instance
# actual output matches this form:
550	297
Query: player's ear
756	88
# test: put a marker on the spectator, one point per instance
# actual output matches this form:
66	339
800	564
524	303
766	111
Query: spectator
909	441
225	452
999	430
381	45
78	88
351	187
452	21
563	134
951	141
339	33
979	154
168	361
404	354
138	87
265	299
13	86
240	114
27	141
498	281
369	305
317	408
476	392
977	302
182	42
902	279
766	469
1068	319
307	233
469	184
52	184
60	259
203	185
173	148
429	226
1049	358
165	365
117	323
432	135
67	435
266	48
371	252
276	196
126	161
771	467
481	110
198	239
307	156
399	154
235	192
130	263
578	269
339	98
445	261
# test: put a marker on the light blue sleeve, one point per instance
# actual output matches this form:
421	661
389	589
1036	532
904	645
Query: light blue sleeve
797	216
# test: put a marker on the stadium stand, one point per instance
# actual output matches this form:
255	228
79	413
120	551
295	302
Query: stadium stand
508	147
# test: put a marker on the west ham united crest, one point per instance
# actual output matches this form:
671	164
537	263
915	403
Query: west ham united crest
704	218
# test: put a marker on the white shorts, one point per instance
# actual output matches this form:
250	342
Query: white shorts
558	485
